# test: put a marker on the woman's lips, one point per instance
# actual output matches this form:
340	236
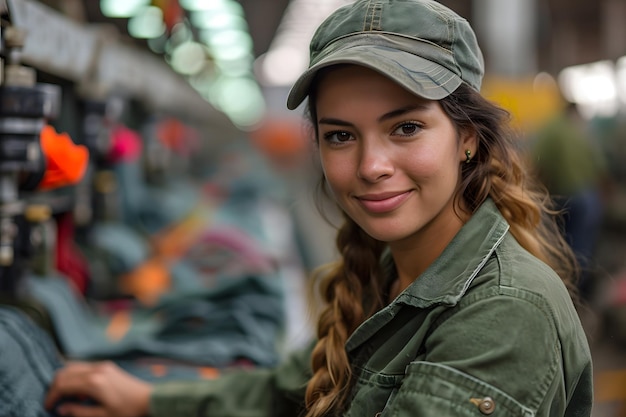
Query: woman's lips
382	203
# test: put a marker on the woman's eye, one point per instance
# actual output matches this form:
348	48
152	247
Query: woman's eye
407	129
337	137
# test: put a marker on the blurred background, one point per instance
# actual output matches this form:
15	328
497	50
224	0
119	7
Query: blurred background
156	197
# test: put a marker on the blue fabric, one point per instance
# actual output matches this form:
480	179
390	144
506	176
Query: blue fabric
122	247
241	317
28	360
147	208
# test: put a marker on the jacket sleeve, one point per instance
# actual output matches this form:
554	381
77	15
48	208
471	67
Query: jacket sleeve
258	392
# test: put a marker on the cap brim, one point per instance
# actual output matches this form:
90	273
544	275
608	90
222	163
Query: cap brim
418	75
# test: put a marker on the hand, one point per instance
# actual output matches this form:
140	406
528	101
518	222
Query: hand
99	389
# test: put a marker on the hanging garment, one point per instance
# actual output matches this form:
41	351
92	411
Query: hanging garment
70	261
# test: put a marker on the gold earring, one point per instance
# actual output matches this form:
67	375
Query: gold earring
468	156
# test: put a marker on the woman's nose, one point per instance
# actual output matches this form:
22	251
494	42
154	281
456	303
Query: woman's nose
375	162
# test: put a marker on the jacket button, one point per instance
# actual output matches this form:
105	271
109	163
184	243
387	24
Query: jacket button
487	405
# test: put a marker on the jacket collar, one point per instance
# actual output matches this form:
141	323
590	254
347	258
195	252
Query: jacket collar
450	275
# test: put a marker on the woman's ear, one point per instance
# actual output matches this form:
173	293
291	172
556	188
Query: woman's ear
469	142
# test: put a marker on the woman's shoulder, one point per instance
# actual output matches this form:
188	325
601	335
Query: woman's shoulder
519	269
516	276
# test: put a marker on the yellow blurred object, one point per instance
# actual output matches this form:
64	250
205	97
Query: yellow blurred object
37	213
609	387
531	101
105	182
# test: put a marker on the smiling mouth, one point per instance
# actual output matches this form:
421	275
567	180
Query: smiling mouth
383	203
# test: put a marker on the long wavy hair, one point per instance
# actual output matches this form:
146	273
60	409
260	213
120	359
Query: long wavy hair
354	288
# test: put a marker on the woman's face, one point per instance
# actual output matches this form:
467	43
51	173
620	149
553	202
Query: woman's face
391	159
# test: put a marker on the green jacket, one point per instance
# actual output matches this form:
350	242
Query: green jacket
487	330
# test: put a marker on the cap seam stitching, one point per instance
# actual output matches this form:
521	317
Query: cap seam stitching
373	15
444	16
450	22
365	16
382	32
377	13
453	29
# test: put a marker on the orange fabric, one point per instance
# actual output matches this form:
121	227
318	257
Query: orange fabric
118	325
277	138
177	137
174	241
66	162
283	143
158	370
147	282
150	280
207	372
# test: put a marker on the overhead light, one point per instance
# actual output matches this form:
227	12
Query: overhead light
181	33
203	80
147	23
188	58
217	20
241	99
122	8
236	67
592	86
158	45
227	5
230	37
227	44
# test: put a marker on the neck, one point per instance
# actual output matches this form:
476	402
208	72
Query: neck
396	289
414	255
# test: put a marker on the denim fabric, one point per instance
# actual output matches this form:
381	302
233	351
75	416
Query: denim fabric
28	360
242	317
487	330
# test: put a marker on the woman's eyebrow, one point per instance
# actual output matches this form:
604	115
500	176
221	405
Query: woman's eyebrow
335	122
402	110
386	116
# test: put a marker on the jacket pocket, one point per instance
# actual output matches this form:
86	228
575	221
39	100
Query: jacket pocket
372	393
431	389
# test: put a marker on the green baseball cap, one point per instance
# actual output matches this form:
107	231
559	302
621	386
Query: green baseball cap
421	44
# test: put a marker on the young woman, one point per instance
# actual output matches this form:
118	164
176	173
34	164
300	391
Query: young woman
450	297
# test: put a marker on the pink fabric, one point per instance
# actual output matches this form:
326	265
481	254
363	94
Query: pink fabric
126	145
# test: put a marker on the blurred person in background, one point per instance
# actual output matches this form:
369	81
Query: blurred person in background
450	297
571	166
